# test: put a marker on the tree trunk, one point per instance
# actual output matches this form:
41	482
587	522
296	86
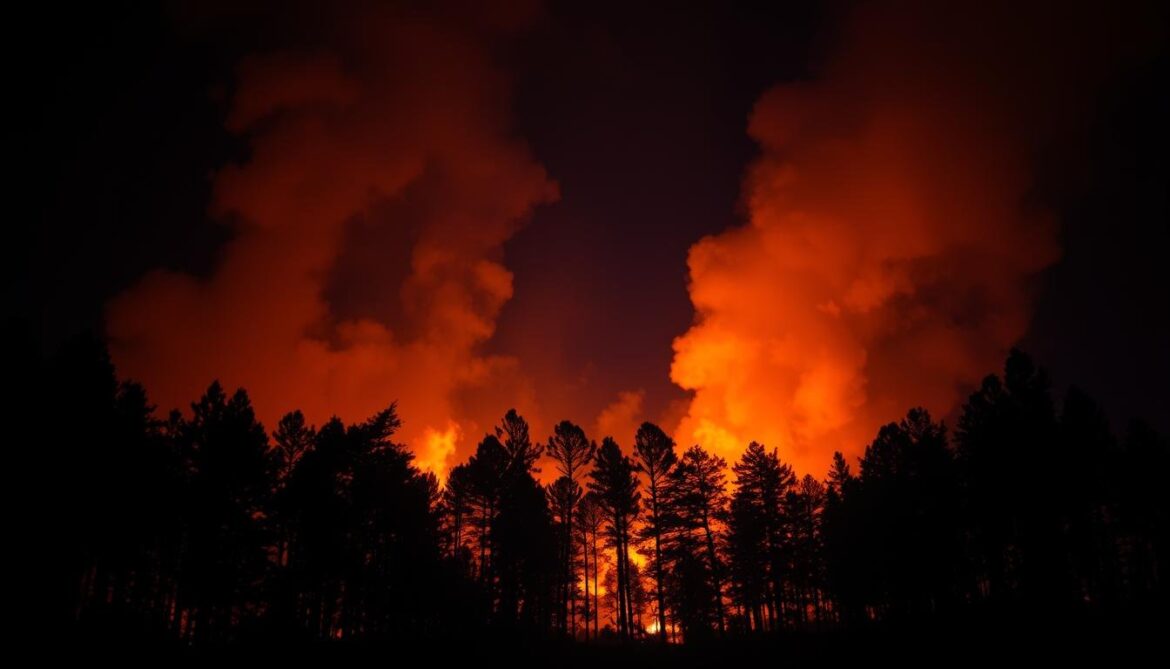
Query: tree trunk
715	573
585	565
596	609
483	546
621	580
628	581
658	560
570	584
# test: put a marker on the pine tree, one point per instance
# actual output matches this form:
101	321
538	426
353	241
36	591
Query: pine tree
698	494
615	483
762	481
654	453
571	451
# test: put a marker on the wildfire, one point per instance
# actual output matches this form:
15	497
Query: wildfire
886	257
438	449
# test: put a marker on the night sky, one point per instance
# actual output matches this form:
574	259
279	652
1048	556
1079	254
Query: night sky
639	118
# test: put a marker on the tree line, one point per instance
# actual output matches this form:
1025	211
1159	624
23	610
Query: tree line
202	528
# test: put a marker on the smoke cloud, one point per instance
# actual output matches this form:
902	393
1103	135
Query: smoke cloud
892	233
621	417
368	222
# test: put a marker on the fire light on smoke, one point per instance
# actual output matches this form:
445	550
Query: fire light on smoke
890	241
368	224
886	260
621	417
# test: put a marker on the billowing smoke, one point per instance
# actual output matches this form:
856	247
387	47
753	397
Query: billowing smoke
621	417
368	224
892	234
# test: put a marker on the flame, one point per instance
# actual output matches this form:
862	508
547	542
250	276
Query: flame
438	449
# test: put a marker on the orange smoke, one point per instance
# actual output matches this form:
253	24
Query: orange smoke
621	417
382	151
890	241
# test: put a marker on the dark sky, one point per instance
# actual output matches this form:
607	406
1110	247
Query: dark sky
641	115
638	113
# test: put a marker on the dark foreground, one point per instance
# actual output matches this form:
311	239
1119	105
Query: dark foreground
1132	638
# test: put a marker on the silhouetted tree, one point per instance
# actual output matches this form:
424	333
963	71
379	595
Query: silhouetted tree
690	587
458	509
592	516
698	497
1087	489
762	481
803	508
563	496
1144	510
197	529
522	453
497	517
525	540
226	455
654	453
394	529
571	451
113	486
365	522
907	506
292	439
748	561
1006	446
615	483
313	506
840	528
638	597
487	469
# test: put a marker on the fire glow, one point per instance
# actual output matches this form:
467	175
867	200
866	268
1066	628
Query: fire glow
885	260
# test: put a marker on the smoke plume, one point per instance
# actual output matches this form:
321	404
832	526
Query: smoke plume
892	233
621	417
368	224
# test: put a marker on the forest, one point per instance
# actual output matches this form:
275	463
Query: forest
205	529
